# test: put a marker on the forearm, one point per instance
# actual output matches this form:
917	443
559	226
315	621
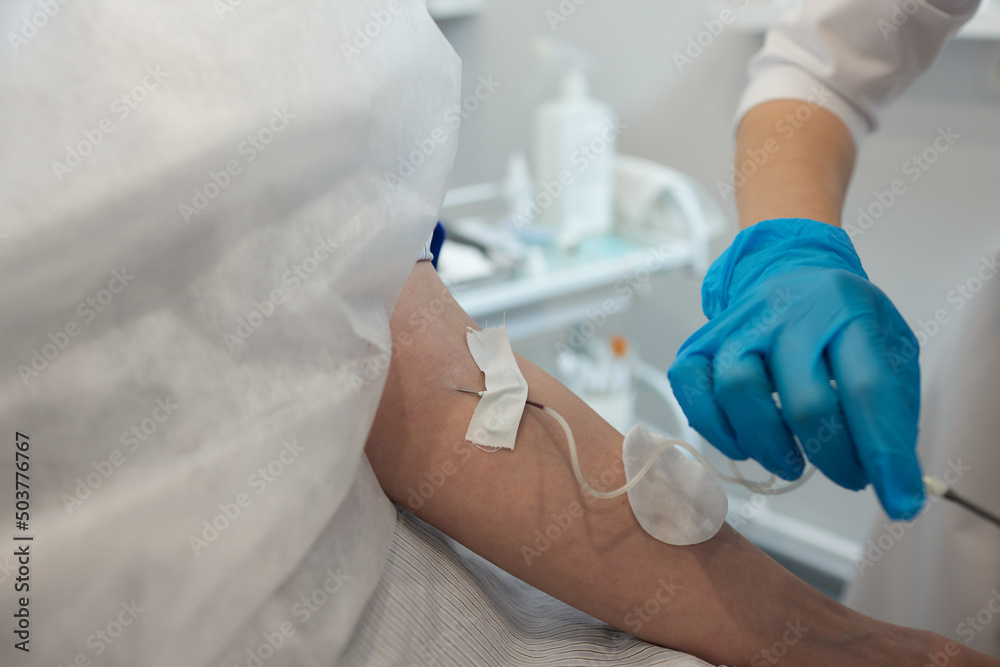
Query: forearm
804	168
722	600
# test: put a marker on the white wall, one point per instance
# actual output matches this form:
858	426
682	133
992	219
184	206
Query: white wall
929	240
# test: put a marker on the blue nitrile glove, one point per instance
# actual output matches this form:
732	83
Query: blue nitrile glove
789	309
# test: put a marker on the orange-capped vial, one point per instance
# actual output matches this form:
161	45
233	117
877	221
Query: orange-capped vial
619	346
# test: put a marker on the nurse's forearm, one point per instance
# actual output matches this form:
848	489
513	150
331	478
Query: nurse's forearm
723	600
793	160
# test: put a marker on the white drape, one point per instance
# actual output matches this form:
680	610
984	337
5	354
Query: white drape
209	210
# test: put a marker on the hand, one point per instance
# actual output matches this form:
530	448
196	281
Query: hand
791	309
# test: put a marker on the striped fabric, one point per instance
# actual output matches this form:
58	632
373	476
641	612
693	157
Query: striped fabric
439	604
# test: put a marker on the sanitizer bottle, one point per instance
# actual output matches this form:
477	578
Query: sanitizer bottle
575	140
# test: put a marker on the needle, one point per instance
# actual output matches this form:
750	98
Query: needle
938	488
480	395
954	497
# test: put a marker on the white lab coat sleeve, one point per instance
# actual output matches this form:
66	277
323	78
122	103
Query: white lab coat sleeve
852	57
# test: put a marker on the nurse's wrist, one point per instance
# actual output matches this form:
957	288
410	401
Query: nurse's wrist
799	174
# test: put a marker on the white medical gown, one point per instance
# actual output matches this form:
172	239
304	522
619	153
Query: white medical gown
207	211
852	57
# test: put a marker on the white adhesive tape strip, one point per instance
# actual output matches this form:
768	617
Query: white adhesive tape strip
494	424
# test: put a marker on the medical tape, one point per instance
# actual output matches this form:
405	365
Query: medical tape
498	414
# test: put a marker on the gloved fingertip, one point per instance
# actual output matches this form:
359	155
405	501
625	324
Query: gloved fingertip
849	477
906	509
899	486
705	417
788	467
724	443
789	472
797	464
732	452
854	485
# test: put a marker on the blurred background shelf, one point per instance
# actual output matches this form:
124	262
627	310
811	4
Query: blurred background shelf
534	303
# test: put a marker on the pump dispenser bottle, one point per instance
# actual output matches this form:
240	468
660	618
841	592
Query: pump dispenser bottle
575	140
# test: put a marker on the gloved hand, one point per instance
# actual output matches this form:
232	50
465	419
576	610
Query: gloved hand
789	309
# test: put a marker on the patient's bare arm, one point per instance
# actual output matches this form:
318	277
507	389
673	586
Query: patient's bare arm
724	600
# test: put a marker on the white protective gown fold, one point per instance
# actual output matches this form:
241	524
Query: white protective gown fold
208	211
